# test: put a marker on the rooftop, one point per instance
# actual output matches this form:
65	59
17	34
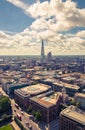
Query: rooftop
74	75
50	80
34	89
81	95
28	70
75	114
61	84
22	93
51	73
69	78
7	80
47	101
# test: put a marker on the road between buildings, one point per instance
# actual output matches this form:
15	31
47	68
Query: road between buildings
13	123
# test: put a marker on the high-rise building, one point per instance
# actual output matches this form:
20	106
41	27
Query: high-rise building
42	53
64	95
49	57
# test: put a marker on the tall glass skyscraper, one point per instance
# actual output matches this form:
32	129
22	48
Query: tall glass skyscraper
42	53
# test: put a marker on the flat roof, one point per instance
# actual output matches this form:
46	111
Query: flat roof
46	101
50	80
35	89
22	93
51	72
36	77
74	74
7	80
75	114
27	70
81	95
38	67
61	84
68	78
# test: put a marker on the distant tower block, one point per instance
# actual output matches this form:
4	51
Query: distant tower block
63	90
42	53
49	57
64	93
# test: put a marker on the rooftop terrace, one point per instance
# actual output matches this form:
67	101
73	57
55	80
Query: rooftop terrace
47	101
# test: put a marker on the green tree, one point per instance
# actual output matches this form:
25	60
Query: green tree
34	113
4	116
78	104
38	116
5	104
35	82
73	102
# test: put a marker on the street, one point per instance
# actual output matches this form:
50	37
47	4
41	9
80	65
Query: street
26	121
24	116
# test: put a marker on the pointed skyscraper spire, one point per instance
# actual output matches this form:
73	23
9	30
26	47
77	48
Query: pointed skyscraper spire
42	52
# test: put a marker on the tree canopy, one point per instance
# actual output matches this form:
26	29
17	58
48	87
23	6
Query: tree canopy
5	103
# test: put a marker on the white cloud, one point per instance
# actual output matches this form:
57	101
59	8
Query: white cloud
41	9
19	3
81	34
57	43
66	13
51	18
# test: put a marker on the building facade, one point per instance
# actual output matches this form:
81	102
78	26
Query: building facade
23	95
72	118
47	105
81	98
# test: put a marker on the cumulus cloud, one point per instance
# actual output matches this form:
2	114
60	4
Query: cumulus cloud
57	43
66	13
81	34
51	19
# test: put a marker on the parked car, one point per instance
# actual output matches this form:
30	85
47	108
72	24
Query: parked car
17	106
19	116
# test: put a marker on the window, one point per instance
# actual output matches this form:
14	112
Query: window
79	128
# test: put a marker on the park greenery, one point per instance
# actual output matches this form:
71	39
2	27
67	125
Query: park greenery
7	127
75	103
5	104
5	110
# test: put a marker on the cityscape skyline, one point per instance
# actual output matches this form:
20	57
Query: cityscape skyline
43	95
60	23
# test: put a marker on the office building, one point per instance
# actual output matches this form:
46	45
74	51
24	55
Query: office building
42	53
47	104
70	88
22	95
72	118
49	57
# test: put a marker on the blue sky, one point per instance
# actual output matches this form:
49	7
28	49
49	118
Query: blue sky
13	18
32	20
